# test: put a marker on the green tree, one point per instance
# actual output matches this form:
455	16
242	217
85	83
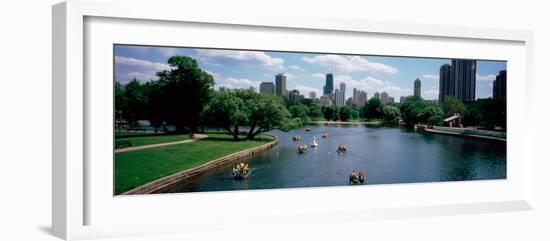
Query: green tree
472	116
315	112
435	120
372	109
428	112
226	110
299	111
391	113
268	114
329	112
135	102
186	91
452	105
345	113
411	108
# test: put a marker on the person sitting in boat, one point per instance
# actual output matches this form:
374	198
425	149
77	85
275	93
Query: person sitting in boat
245	168
361	177
314	142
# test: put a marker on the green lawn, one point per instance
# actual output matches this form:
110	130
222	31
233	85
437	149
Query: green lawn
146	138
135	168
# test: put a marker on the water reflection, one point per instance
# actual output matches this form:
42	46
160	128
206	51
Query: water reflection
385	154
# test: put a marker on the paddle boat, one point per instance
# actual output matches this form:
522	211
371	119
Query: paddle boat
314	143
342	148
308	129
302	148
296	138
355	179
326	135
241	171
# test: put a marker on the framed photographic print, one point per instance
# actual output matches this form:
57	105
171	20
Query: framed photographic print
164	123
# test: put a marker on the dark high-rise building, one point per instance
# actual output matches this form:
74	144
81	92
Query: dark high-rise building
446	86
464	78
417	87
280	84
294	96
329	84
458	80
267	88
499	86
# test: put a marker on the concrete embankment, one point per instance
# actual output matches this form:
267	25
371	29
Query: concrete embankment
162	184
473	133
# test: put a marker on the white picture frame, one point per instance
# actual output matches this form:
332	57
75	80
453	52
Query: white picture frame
76	194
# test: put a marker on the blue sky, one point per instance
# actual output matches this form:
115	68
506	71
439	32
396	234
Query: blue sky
304	71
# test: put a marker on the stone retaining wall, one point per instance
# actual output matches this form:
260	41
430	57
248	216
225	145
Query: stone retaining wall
164	183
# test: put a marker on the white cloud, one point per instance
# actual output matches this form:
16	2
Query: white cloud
304	90
318	76
489	77
249	57
296	67
143	70
237	83
371	85
289	76
430	94
347	64
430	76
167	52
135	48
144	64
144	77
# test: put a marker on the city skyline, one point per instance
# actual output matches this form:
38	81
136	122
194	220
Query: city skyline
305	72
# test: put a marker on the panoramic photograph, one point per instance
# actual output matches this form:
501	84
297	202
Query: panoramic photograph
190	119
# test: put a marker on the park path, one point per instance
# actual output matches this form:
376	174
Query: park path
135	148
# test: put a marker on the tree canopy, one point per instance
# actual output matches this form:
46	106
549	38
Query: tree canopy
186	89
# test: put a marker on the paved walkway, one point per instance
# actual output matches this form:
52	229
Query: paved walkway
135	148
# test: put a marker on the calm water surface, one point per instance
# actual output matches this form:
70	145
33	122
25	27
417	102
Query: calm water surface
385	154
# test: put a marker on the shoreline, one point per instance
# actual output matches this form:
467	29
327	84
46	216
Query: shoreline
346	122
463	135
157	186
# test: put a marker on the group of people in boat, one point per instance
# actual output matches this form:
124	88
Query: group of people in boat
326	135
296	138
342	148
356	178
241	170
302	148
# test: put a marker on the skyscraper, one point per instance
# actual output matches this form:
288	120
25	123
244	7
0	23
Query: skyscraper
446	85
384	98
499	86
280	84
294	96
267	88
359	98
417	87
339	98
464	78
343	90
377	95
312	95
329	84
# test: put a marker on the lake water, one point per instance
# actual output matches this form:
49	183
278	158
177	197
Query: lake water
385	154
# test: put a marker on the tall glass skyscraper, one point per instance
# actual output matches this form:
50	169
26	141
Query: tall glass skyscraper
280	84
446	86
464	75
329	84
417	87
458	80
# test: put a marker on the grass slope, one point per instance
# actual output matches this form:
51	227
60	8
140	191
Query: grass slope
135	168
